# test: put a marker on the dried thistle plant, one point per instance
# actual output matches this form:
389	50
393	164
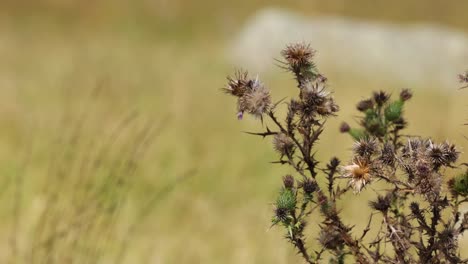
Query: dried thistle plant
413	169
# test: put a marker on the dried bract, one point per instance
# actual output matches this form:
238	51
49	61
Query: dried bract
359	174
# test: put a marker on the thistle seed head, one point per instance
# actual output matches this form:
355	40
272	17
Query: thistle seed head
382	203
406	94
288	182
381	97
429	185
442	154
298	55
365	105
309	186
317	100
281	215
283	144
238	85
387	155
344	127
256	100
365	147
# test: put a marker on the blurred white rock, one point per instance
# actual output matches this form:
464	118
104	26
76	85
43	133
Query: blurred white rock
421	54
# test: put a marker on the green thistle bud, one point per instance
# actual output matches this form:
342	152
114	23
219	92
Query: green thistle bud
459	184
393	111
286	200
357	134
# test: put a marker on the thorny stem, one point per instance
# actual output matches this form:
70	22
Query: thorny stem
305	149
432	231
299	243
396	241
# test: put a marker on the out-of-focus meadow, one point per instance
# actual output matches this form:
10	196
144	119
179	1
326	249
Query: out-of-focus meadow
117	146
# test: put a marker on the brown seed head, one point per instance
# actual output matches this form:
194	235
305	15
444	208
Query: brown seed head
387	154
255	101
406	94
298	55
344	127
381	97
365	105
309	186
288	181
366	147
238	85
382	203
283	144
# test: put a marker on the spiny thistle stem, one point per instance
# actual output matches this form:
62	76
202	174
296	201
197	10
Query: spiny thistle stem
411	167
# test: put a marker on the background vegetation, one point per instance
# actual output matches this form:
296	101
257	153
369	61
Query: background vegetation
116	144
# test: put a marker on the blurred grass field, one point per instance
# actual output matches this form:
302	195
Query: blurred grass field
104	105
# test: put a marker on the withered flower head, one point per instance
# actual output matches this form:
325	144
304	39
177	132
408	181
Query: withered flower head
406	94
321	78
329	107
334	162
382	203
344	127
422	167
417	212
442	154
436	155
451	152
365	147
298	54
387	154
283	144
256	100
281	214
414	206
288	181
330	237
238	85
317	100
309	186
359	174
414	148
313	94
448	238
429	185
400	123
365	105
295	105
381	97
